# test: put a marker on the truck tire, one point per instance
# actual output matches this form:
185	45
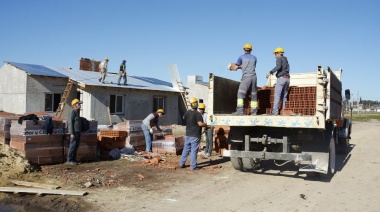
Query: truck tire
249	164
332	160
237	163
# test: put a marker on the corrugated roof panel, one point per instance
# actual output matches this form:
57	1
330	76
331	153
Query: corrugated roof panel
37	70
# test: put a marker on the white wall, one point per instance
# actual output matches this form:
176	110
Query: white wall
12	89
197	88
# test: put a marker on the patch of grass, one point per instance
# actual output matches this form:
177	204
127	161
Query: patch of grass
364	116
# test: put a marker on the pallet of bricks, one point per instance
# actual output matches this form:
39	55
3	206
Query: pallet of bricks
30	138
5	126
168	144
88	149
110	139
300	101
135	134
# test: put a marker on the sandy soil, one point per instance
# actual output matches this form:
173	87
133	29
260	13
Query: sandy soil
125	185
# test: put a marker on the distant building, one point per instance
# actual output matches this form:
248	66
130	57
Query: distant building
36	88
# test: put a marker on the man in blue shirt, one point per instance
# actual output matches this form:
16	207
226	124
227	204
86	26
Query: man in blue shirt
247	64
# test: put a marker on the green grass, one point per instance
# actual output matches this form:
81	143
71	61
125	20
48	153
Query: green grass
364	116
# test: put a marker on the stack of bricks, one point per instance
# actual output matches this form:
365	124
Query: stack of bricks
86	64
301	100
170	145
109	140
5	126
35	144
87	150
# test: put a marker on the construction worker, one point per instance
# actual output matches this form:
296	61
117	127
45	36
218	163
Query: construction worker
283	79
74	127
122	73
194	124
103	67
247	63
206	131
147	126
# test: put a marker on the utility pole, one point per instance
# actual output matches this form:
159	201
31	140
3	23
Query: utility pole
358	102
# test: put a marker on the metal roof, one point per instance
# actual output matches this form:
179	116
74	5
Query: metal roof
37	70
92	78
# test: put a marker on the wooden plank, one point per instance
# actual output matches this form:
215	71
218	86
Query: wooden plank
35	185
42	191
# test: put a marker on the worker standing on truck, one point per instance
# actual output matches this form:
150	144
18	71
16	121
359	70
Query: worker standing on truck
247	63
74	127
103	67
194	124
283	79
147	126
206	131
122	73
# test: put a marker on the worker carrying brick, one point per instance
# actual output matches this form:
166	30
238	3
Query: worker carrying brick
103	67
206	131
122	73
194	124
74	127
147	126
283	79
247	63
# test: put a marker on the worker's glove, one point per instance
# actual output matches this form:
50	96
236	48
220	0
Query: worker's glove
163	134
151	131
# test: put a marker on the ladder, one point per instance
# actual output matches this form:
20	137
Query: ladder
66	93
183	92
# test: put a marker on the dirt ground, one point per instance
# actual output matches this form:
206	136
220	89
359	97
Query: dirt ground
125	185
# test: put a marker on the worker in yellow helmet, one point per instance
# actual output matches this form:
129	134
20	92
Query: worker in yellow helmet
247	63
103	67
74	127
147	126
207	131
283	79
194	124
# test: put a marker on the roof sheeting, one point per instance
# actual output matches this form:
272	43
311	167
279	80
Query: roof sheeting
37	70
92	78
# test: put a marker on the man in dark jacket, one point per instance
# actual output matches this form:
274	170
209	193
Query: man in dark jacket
283	79
74	127
122	73
194	124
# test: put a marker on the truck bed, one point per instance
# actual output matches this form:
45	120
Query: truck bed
313	99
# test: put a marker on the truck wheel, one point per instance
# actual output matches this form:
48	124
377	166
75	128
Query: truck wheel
332	159
249	164
237	163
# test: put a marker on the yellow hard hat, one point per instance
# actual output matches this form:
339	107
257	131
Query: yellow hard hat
106	58
247	46
202	106
161	111
75	101
193	102
279	49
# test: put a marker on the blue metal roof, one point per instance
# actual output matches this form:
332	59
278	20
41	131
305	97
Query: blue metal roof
92	78
37	70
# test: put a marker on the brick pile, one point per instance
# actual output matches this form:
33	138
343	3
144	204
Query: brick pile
171	144
109	140
301	101
5	126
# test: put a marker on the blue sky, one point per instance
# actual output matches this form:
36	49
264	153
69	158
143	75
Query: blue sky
199	36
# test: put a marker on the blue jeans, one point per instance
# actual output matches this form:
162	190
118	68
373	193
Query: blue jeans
124	76
191	145
148	138
73	147
209	140
280	92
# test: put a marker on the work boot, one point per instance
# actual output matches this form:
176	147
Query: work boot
253	112
274	112
71	163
